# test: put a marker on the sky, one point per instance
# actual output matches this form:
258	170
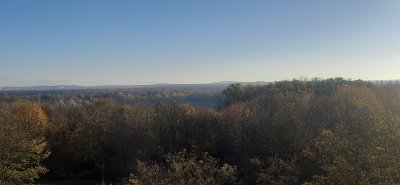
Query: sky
126	42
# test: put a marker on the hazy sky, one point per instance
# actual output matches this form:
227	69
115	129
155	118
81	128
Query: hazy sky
95	42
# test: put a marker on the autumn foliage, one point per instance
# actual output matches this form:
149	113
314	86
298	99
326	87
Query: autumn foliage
331	131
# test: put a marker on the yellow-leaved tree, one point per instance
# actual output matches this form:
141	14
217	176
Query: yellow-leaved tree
22	144
361	146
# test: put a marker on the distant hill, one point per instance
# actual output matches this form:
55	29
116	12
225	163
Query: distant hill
42	88
77	87
221	84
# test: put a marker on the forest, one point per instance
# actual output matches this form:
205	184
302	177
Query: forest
310	132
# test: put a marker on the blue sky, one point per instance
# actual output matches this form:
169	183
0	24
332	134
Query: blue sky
95	42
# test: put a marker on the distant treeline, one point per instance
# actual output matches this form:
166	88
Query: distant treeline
203	96
319	131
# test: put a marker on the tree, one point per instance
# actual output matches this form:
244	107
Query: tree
22	145
93	136
185	168
276	171
183	126
361	147
233	93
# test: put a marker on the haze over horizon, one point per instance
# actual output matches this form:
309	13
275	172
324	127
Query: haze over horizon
149	42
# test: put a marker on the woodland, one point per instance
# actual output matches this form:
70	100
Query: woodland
311	132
